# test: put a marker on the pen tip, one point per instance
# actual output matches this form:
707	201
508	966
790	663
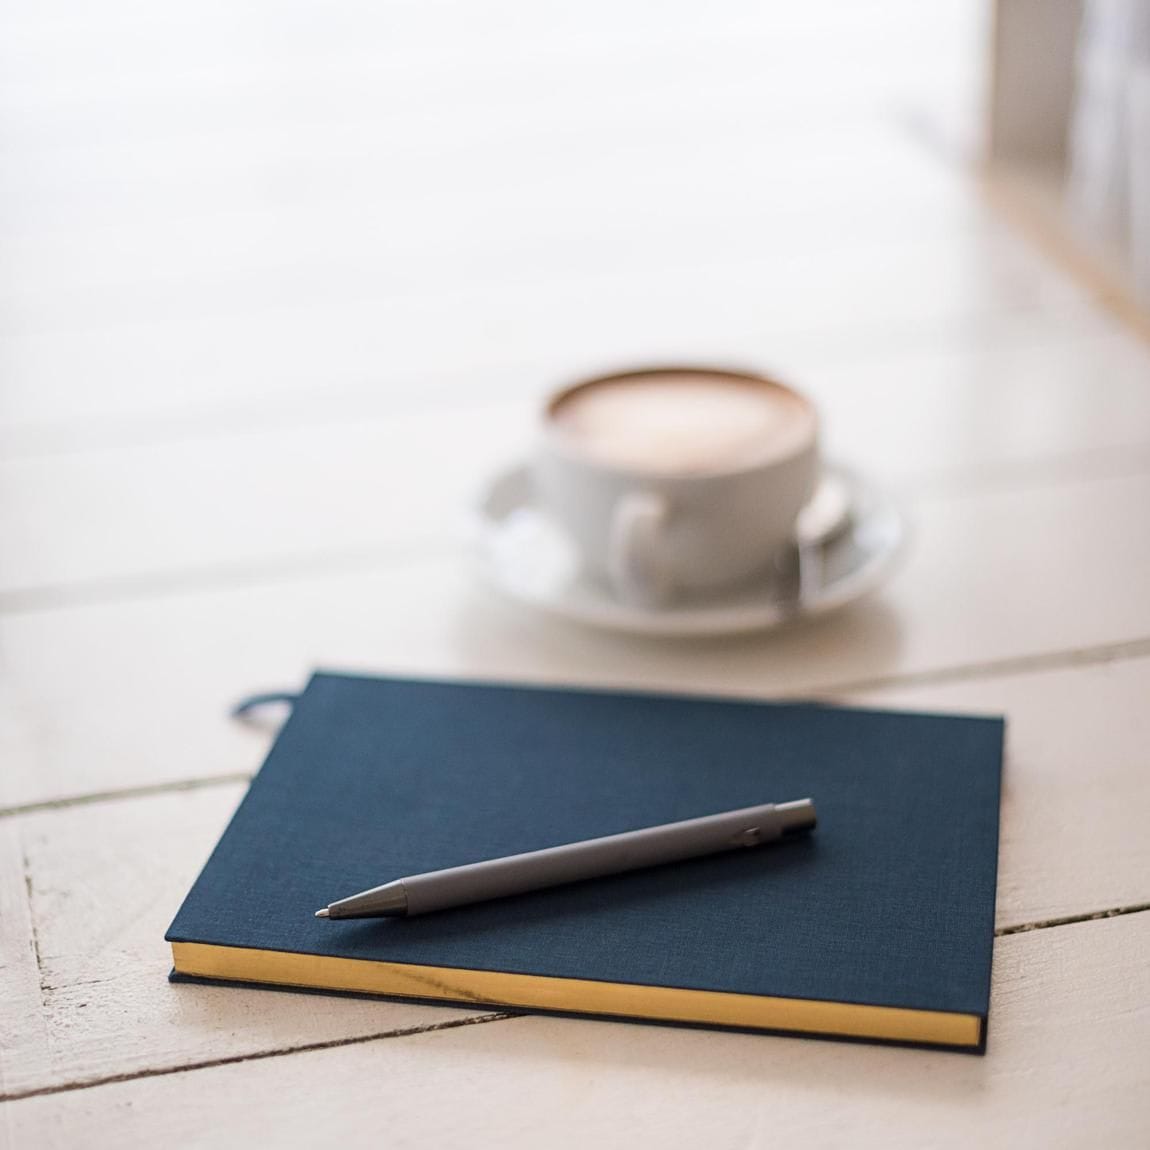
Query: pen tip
322	913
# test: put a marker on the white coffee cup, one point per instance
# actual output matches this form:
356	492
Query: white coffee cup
679	480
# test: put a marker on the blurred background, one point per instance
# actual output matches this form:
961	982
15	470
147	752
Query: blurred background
222	215
218	216
282	284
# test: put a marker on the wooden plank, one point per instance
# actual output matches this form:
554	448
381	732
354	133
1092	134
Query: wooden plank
177	86
99	264
1067	1066
44	410
1073	838
106	878
105	882
988	411
101	697
340	199
290	332
178	277
163	303
540	182
298	492
388	47
23	1024
260	496
74	274
1073	810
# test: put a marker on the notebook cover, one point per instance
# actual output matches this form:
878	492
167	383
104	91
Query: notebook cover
889	904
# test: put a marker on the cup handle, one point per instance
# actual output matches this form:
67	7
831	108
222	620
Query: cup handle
633	564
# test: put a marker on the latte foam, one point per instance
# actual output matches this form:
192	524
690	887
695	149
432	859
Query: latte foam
683	421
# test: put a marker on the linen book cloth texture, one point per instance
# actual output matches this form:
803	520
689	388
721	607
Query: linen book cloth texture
890	903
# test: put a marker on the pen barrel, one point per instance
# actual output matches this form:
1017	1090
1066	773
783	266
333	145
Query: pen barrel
597	858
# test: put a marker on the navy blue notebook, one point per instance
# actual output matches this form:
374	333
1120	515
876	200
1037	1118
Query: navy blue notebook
879	925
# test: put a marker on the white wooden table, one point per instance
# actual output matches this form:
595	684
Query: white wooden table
279	286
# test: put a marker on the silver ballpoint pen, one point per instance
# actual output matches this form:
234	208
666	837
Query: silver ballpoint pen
574	862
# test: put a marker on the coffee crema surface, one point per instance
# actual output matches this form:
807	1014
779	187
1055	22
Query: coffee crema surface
683	422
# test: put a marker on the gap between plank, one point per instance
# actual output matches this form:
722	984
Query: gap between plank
474	1020
222	577
145	790
309	407
25	862
1121	461
1021	664
259	1056
1069	919
1098	655
115	589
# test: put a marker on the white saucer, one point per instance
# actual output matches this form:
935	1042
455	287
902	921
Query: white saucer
848	544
